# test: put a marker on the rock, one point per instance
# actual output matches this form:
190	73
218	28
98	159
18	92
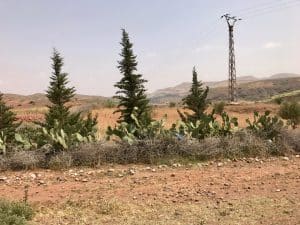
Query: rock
173	175
297	156
220	164
111	170
33	176
84	180
285	158
100	171
148	168
41	182
80	171
153	170
3	178
60	179
278	190
131	172
120	175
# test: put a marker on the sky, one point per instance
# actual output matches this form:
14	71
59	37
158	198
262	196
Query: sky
169	36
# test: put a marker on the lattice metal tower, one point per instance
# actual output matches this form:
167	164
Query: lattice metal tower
231	20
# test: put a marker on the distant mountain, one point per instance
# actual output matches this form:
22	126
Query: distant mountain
284	75
249	88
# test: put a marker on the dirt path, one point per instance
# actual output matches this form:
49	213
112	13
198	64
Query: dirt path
231	192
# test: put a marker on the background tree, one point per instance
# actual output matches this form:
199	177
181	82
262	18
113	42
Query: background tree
195	101
132	93
8	121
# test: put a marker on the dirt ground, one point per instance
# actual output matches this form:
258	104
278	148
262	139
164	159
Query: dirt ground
106	117
249	191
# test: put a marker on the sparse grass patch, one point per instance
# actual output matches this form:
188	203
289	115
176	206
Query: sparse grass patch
248	211
14	213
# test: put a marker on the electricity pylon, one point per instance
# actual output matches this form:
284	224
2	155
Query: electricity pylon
231	20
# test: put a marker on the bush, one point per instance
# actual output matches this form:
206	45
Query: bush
60	161
278	100
265	126
172	104
14	213
25	160
292	138
291	112
219	107
109	103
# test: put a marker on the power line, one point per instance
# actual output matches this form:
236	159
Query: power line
231	21
271	8
259	6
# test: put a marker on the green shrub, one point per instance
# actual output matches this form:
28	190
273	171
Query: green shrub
278	100
137	130
265	126
206	126
291	112
109	104
15	213
172	104
219	107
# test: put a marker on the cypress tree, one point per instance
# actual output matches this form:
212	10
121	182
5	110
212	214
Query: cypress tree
195	101
132	93
59	115
8	124
59	94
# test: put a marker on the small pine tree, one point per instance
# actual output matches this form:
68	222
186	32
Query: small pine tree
59	115
132	93
8	124
59	94
195	101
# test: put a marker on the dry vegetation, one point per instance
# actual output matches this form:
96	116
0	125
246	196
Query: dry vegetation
177	187
250	191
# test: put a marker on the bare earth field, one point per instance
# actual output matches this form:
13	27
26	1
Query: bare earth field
252	191
106	117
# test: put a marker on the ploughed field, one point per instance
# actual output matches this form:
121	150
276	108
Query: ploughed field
249	191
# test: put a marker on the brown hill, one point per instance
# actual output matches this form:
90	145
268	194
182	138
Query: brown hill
40	100
248	89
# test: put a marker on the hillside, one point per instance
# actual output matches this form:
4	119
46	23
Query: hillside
249	89
38	99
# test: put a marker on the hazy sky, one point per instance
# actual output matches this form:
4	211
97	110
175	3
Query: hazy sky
169	36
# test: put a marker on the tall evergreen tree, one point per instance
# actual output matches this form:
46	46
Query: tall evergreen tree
132	93
195	101
59	115
59	94
8	124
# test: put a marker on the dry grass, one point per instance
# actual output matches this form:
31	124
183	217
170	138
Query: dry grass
249	211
